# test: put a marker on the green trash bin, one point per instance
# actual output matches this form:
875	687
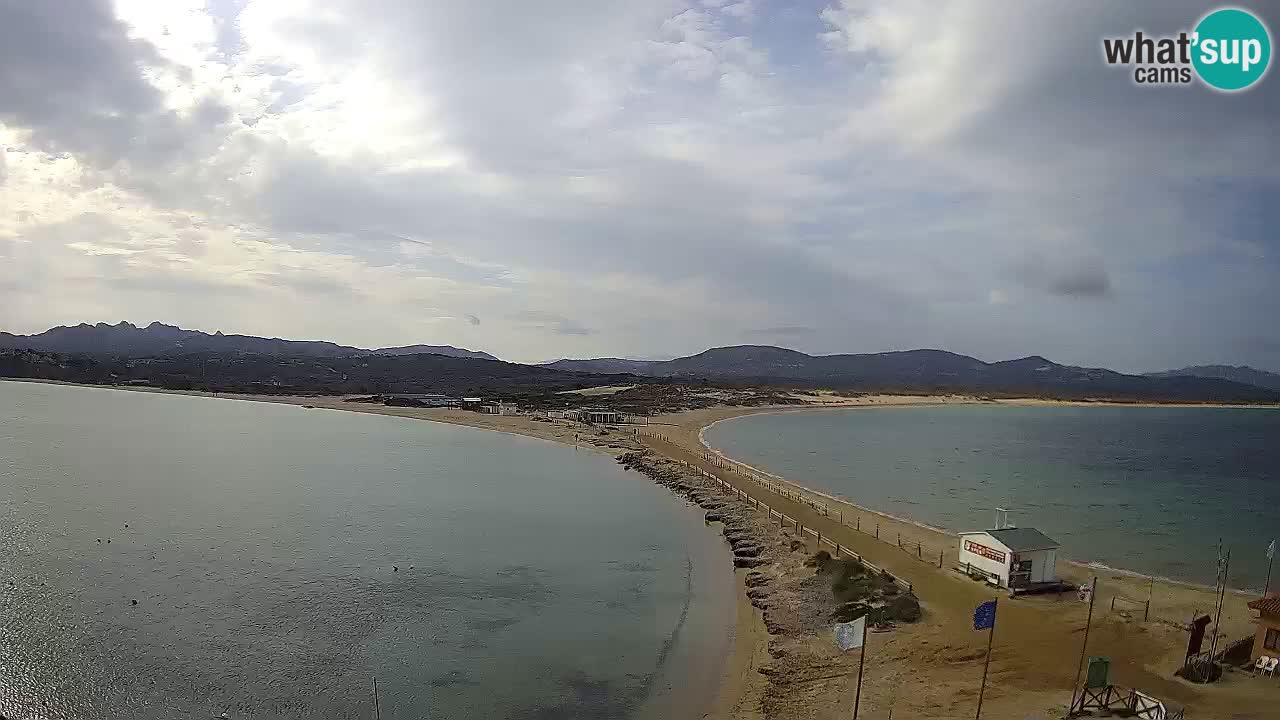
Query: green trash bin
1099	673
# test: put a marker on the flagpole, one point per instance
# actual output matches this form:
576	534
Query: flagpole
990	637
1271	557
1093	595
862	657
1222	596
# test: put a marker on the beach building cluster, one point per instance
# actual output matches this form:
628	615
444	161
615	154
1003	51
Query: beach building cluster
594	416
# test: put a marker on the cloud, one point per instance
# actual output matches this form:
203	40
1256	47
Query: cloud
557	324
652	177
782	331
1072	277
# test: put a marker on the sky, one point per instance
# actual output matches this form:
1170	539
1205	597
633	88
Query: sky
584	178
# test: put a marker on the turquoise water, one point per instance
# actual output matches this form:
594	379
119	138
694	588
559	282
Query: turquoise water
260	541
1148	489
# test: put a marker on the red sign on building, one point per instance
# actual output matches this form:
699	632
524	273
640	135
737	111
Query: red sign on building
984	551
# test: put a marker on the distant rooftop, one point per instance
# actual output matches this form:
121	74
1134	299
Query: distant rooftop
1269	604
1023	539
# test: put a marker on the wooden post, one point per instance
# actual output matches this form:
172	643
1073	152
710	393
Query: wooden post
1151	592
877	530
862	656
940	554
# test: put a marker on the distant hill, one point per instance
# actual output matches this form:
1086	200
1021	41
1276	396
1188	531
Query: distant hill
446	350
1235	373
283	374
128	340
608	365
927	371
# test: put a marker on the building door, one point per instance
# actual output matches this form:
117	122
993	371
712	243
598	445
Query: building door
1019	573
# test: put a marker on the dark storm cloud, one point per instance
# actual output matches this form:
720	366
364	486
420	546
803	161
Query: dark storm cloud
1082	282
69	72
1071	277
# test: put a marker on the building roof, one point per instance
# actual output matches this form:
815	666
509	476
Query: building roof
1269	604
1024	539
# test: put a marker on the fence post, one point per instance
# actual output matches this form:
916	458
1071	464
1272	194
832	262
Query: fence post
858	519
919	551
877	531
899	540
940	554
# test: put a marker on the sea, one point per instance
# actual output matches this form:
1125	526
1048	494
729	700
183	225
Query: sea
168	556
1164	491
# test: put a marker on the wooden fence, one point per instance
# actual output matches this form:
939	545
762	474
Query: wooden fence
845	515
784	520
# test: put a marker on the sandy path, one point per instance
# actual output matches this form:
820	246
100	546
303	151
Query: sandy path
1038	641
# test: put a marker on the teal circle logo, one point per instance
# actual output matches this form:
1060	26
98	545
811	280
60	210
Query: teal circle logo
1232	49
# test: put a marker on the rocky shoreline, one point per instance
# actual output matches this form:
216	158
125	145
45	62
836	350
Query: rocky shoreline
800	590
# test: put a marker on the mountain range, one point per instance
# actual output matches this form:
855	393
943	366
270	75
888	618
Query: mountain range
128	340
929	370
903	371
1237	373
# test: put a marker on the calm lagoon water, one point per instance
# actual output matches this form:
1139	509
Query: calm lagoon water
1148	489
534	580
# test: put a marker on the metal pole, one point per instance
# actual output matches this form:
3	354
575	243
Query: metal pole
1266	589
1226	566
862	656
1093	595
985	666
377	709
1151	590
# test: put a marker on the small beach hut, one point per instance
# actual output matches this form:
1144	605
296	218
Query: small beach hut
1012	557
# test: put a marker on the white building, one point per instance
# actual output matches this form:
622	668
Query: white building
1012	557
499	409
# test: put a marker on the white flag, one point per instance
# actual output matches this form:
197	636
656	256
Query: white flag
1271	550
849	635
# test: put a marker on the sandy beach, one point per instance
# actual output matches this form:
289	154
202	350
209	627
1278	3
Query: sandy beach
1037	665
931	668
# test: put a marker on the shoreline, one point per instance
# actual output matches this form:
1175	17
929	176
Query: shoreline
748	640
1144	650
1079	564
1034	675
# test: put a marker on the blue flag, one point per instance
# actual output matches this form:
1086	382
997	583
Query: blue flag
984	616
